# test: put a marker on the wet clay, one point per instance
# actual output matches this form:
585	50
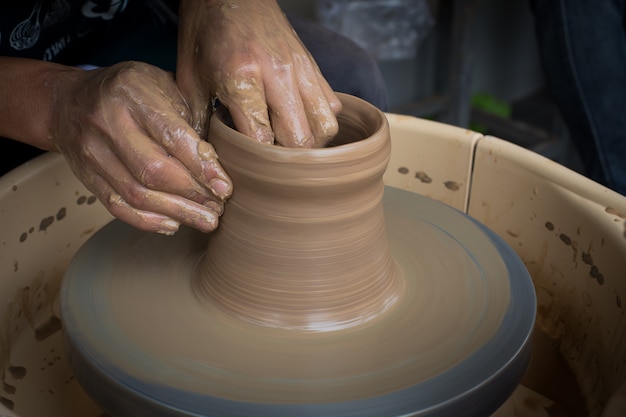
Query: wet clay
321	288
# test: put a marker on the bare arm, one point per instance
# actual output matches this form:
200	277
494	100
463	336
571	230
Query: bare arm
26	91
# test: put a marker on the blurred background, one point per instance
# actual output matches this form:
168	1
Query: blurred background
471	63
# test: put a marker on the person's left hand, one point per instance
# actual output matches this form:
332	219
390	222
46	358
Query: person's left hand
247	55
124	131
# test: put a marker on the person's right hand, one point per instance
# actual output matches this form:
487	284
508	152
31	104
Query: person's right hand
125	132
247	55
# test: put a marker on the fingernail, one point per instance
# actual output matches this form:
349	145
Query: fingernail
216	206
210	220
220	187
168	227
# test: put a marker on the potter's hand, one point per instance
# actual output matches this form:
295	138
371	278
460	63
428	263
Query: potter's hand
247	55
125	132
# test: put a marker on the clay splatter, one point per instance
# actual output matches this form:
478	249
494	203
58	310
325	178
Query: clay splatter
594	272
587	258
81	200
23	237
423	177
565	239
48	328
17	372
45	223
512	233
61	213
615	212
452	185
14	188
92	199
9	389
549	226
7	403
403	170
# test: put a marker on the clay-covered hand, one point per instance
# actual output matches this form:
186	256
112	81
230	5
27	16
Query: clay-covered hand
246	54
125	131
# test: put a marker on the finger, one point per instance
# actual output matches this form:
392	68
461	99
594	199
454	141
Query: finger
244	96
331	97
320	113
194	97
321	105
141	199
140	219
194	168
287	112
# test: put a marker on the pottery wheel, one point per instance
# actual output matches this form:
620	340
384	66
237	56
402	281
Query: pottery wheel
455	342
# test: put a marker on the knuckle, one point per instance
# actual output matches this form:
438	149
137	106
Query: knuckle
152	172
136	195
171	135
246	69
115	204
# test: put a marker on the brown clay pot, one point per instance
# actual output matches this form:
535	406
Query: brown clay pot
302	242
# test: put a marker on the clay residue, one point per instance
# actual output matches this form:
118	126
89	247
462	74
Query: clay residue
452	185
423	177
403	170
51	361
87	232
549	374
8	388
565	239
23	237
615	212
7	403
45	223
48	328
549	226
595	273
61	213
17	372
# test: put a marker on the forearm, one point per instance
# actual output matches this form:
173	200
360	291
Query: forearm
27	94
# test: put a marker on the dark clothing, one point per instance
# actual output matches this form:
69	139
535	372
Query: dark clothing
583	50
66	31
75	32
